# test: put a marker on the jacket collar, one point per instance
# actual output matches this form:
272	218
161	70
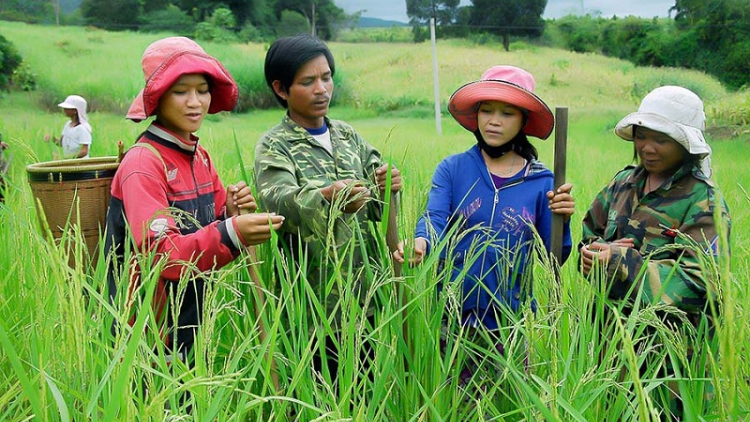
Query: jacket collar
164	137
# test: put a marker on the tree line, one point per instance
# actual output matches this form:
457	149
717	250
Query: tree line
708	35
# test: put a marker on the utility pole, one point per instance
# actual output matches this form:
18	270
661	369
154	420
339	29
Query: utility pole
438	124
56	6
314	32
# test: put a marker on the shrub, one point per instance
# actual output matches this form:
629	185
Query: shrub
171	19
24	78
10	59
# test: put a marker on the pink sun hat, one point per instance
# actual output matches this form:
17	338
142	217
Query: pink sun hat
508	84
165	61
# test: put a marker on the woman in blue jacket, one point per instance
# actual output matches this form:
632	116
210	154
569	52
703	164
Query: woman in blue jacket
489	200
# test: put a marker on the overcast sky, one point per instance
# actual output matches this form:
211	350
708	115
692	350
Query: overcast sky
396	9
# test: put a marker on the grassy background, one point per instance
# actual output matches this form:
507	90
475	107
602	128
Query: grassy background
57	362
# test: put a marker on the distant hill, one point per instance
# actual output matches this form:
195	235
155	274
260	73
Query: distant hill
366	22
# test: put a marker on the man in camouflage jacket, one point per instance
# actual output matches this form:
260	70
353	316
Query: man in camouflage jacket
320	174
291	171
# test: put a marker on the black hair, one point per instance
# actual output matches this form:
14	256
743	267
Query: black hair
288	54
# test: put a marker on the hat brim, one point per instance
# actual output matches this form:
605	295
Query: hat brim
224	91
67	105
689	137
464	104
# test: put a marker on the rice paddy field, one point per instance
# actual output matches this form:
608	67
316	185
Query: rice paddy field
60	362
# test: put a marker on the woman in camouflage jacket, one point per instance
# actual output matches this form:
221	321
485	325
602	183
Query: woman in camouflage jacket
654	235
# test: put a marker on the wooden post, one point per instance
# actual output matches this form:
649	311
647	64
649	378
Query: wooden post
391	241
260	304
561	140
391	232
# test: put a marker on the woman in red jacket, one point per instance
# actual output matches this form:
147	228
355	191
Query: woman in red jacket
167	194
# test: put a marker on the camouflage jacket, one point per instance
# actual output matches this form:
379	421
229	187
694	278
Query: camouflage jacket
674	231
291	167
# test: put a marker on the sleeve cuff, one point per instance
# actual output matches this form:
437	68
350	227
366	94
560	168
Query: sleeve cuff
232	232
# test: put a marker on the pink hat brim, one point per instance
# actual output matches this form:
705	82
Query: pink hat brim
464	103
224	91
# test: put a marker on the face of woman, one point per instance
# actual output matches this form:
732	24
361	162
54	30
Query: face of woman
184	106
498	122
659	154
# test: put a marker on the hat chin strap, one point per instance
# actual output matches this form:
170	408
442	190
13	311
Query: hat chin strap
494	151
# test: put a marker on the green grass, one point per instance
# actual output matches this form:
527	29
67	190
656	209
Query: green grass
58	362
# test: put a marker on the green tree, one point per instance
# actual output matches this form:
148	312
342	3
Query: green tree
112	14
292	23
509	17
171	18
324	18
420	12
32	11
242	10
721	29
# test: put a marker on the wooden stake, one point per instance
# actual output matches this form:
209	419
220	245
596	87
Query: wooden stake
260	304
561	141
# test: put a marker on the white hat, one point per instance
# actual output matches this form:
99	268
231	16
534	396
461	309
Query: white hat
79	104
676	112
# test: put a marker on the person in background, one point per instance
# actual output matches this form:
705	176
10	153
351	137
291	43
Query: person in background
76	134
4	164
166	193
489	201
651	229
321	175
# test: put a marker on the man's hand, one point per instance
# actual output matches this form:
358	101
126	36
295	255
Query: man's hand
381	177
352	194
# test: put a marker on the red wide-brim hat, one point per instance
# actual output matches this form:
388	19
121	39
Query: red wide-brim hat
507	84
165	61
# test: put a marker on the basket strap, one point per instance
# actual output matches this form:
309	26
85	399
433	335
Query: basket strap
153	150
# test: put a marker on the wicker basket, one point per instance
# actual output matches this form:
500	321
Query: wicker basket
58	185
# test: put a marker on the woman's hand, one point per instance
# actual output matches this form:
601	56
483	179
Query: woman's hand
240	198
418	253
601	252
256	228
561	201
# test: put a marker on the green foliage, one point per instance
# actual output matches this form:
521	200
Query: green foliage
707	35
218	27
292	23
10	60
508	17
24	78
32	11
323	17
172	19
445	13
223	18
394	34
117	15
